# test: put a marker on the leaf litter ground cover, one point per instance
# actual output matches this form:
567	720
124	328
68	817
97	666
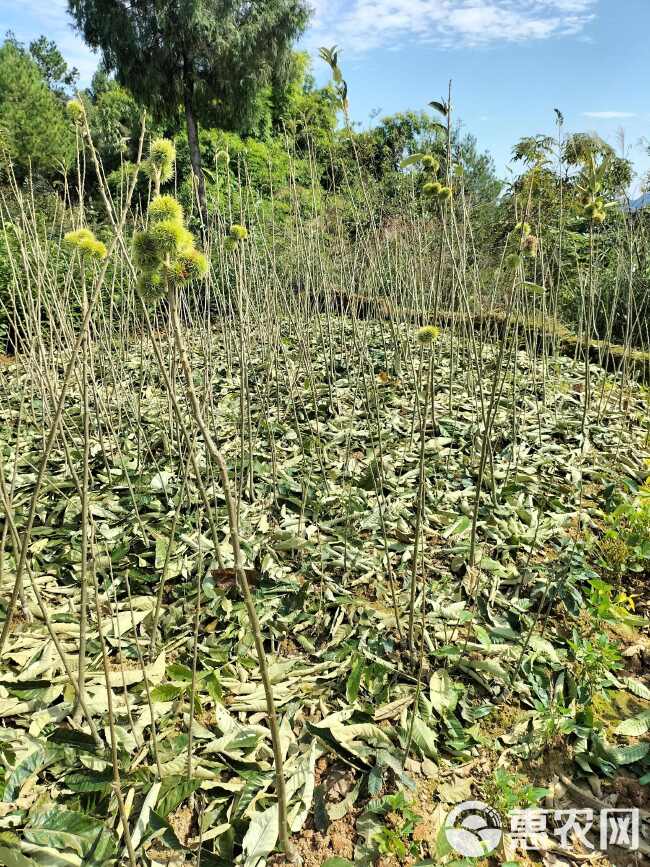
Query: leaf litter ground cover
534	667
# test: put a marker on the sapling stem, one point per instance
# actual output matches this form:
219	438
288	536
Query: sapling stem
420	499
233	524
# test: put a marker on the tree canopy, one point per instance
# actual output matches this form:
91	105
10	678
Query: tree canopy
58	76
33	127
209	56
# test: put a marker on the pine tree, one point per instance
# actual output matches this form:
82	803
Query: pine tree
34	131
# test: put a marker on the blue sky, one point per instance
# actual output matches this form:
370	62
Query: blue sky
511	61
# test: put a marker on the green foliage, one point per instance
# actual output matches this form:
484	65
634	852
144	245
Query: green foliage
430	164
330	56
53	67
239	168
160	165
145	251
34	131
432	189
593	660
191	265
395	835
307	114
510	791
120	178
609	605
381	149
169	237
212	57
555	719
265	166
150	284
584	149
75	111
534	150
626	544
115	123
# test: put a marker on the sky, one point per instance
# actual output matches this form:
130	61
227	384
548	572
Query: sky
511	62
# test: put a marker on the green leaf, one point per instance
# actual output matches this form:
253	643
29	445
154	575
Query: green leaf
162	546
32	763
166	692
174	791
255	781
630	754
338	862
458	528
143	826
328	737
637	687
439	106
213	686
410	160
11	856
72	738
179	672
65	829
354	680
535	288
375	780
89	781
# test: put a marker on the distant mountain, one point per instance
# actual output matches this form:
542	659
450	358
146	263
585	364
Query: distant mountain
642	202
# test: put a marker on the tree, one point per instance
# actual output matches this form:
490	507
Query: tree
209	56
306	112
580	148
53	67
480	179
114	123
33	127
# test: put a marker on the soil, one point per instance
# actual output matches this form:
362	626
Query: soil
316	847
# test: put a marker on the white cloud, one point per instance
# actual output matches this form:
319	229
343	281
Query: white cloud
359	25
609	115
